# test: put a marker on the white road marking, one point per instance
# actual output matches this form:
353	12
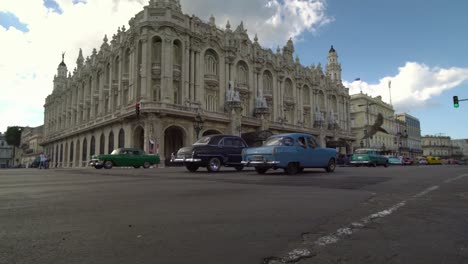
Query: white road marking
456	178
428	190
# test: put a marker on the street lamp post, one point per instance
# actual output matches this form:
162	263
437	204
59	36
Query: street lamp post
198	124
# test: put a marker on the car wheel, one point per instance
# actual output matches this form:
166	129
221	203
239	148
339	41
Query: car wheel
301	170
146	165
331	165
386	164
98	167
239	168
192	167
108	164
136	167
261	170
213	165
293	168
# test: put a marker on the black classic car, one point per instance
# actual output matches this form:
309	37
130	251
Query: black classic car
212	152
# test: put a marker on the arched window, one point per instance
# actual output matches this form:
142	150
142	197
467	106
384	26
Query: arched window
306	95
156	46
111	143
211	63
61	153
288	88
177	52
92	146
121	138
101	144
267	83
242	74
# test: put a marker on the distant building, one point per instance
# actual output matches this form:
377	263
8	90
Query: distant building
412	133
462	145
31	138
437	145
6	153
364	112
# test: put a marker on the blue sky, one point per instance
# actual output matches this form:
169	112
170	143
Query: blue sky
419	45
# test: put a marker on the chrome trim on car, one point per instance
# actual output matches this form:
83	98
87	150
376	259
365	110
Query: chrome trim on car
359	162
185	160
248	163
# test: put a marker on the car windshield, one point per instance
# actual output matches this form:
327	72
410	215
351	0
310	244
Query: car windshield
279	141
203	141
115	152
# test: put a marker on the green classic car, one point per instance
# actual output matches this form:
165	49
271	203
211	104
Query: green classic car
368	157
124	157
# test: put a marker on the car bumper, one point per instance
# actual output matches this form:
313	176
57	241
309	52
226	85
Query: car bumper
183	160
95	163
260	163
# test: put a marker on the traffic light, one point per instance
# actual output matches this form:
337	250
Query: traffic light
455	102
137	109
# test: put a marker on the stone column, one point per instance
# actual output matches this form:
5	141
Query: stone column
186	73
199	87
145	68
192	76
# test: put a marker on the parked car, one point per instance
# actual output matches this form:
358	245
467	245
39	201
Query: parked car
212	152
292	152
395	161
124	157
422	161
368	157
408	161
433	160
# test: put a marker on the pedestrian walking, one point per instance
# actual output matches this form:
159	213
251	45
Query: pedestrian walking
42	160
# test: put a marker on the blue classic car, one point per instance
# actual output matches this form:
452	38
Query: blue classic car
291	152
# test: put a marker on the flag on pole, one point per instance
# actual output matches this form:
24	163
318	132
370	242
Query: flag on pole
389	84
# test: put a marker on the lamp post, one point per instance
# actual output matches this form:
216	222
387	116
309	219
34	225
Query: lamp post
198	124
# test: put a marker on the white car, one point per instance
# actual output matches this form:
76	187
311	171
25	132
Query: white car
422	161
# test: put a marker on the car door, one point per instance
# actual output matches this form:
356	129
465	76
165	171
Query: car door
238	146
313	154
229	150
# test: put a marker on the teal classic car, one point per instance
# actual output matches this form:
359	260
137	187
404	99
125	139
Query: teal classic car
368	157
292	152
124	157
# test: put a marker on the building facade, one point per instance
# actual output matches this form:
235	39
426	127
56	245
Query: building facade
180	69
364	112
462	144
437	145
31	140
412	134
6	153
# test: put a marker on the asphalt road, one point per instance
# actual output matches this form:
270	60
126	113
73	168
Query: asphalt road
415	214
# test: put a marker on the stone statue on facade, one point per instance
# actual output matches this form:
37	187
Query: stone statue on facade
231	94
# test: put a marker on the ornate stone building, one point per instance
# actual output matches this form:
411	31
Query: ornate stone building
181	69
31	140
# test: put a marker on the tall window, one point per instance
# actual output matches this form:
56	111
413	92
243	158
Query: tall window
267	83
84	155
211	63
121	138
288	87
111	143
92	146
306	95
242	74
101	144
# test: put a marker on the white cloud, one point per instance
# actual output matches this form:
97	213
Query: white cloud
29	60
413	86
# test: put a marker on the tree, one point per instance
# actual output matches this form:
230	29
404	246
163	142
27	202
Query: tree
13	136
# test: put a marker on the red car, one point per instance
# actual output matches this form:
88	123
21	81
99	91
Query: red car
407	161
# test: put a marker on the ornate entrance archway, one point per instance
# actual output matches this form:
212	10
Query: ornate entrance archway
173	141
139	137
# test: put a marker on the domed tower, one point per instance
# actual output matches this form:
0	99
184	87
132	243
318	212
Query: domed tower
333	68
60	80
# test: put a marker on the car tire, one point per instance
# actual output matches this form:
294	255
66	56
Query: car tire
261	170
146	165
98	167
292	168
136	167
214	165
331	166
192	167
108	164
239	168
386	164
